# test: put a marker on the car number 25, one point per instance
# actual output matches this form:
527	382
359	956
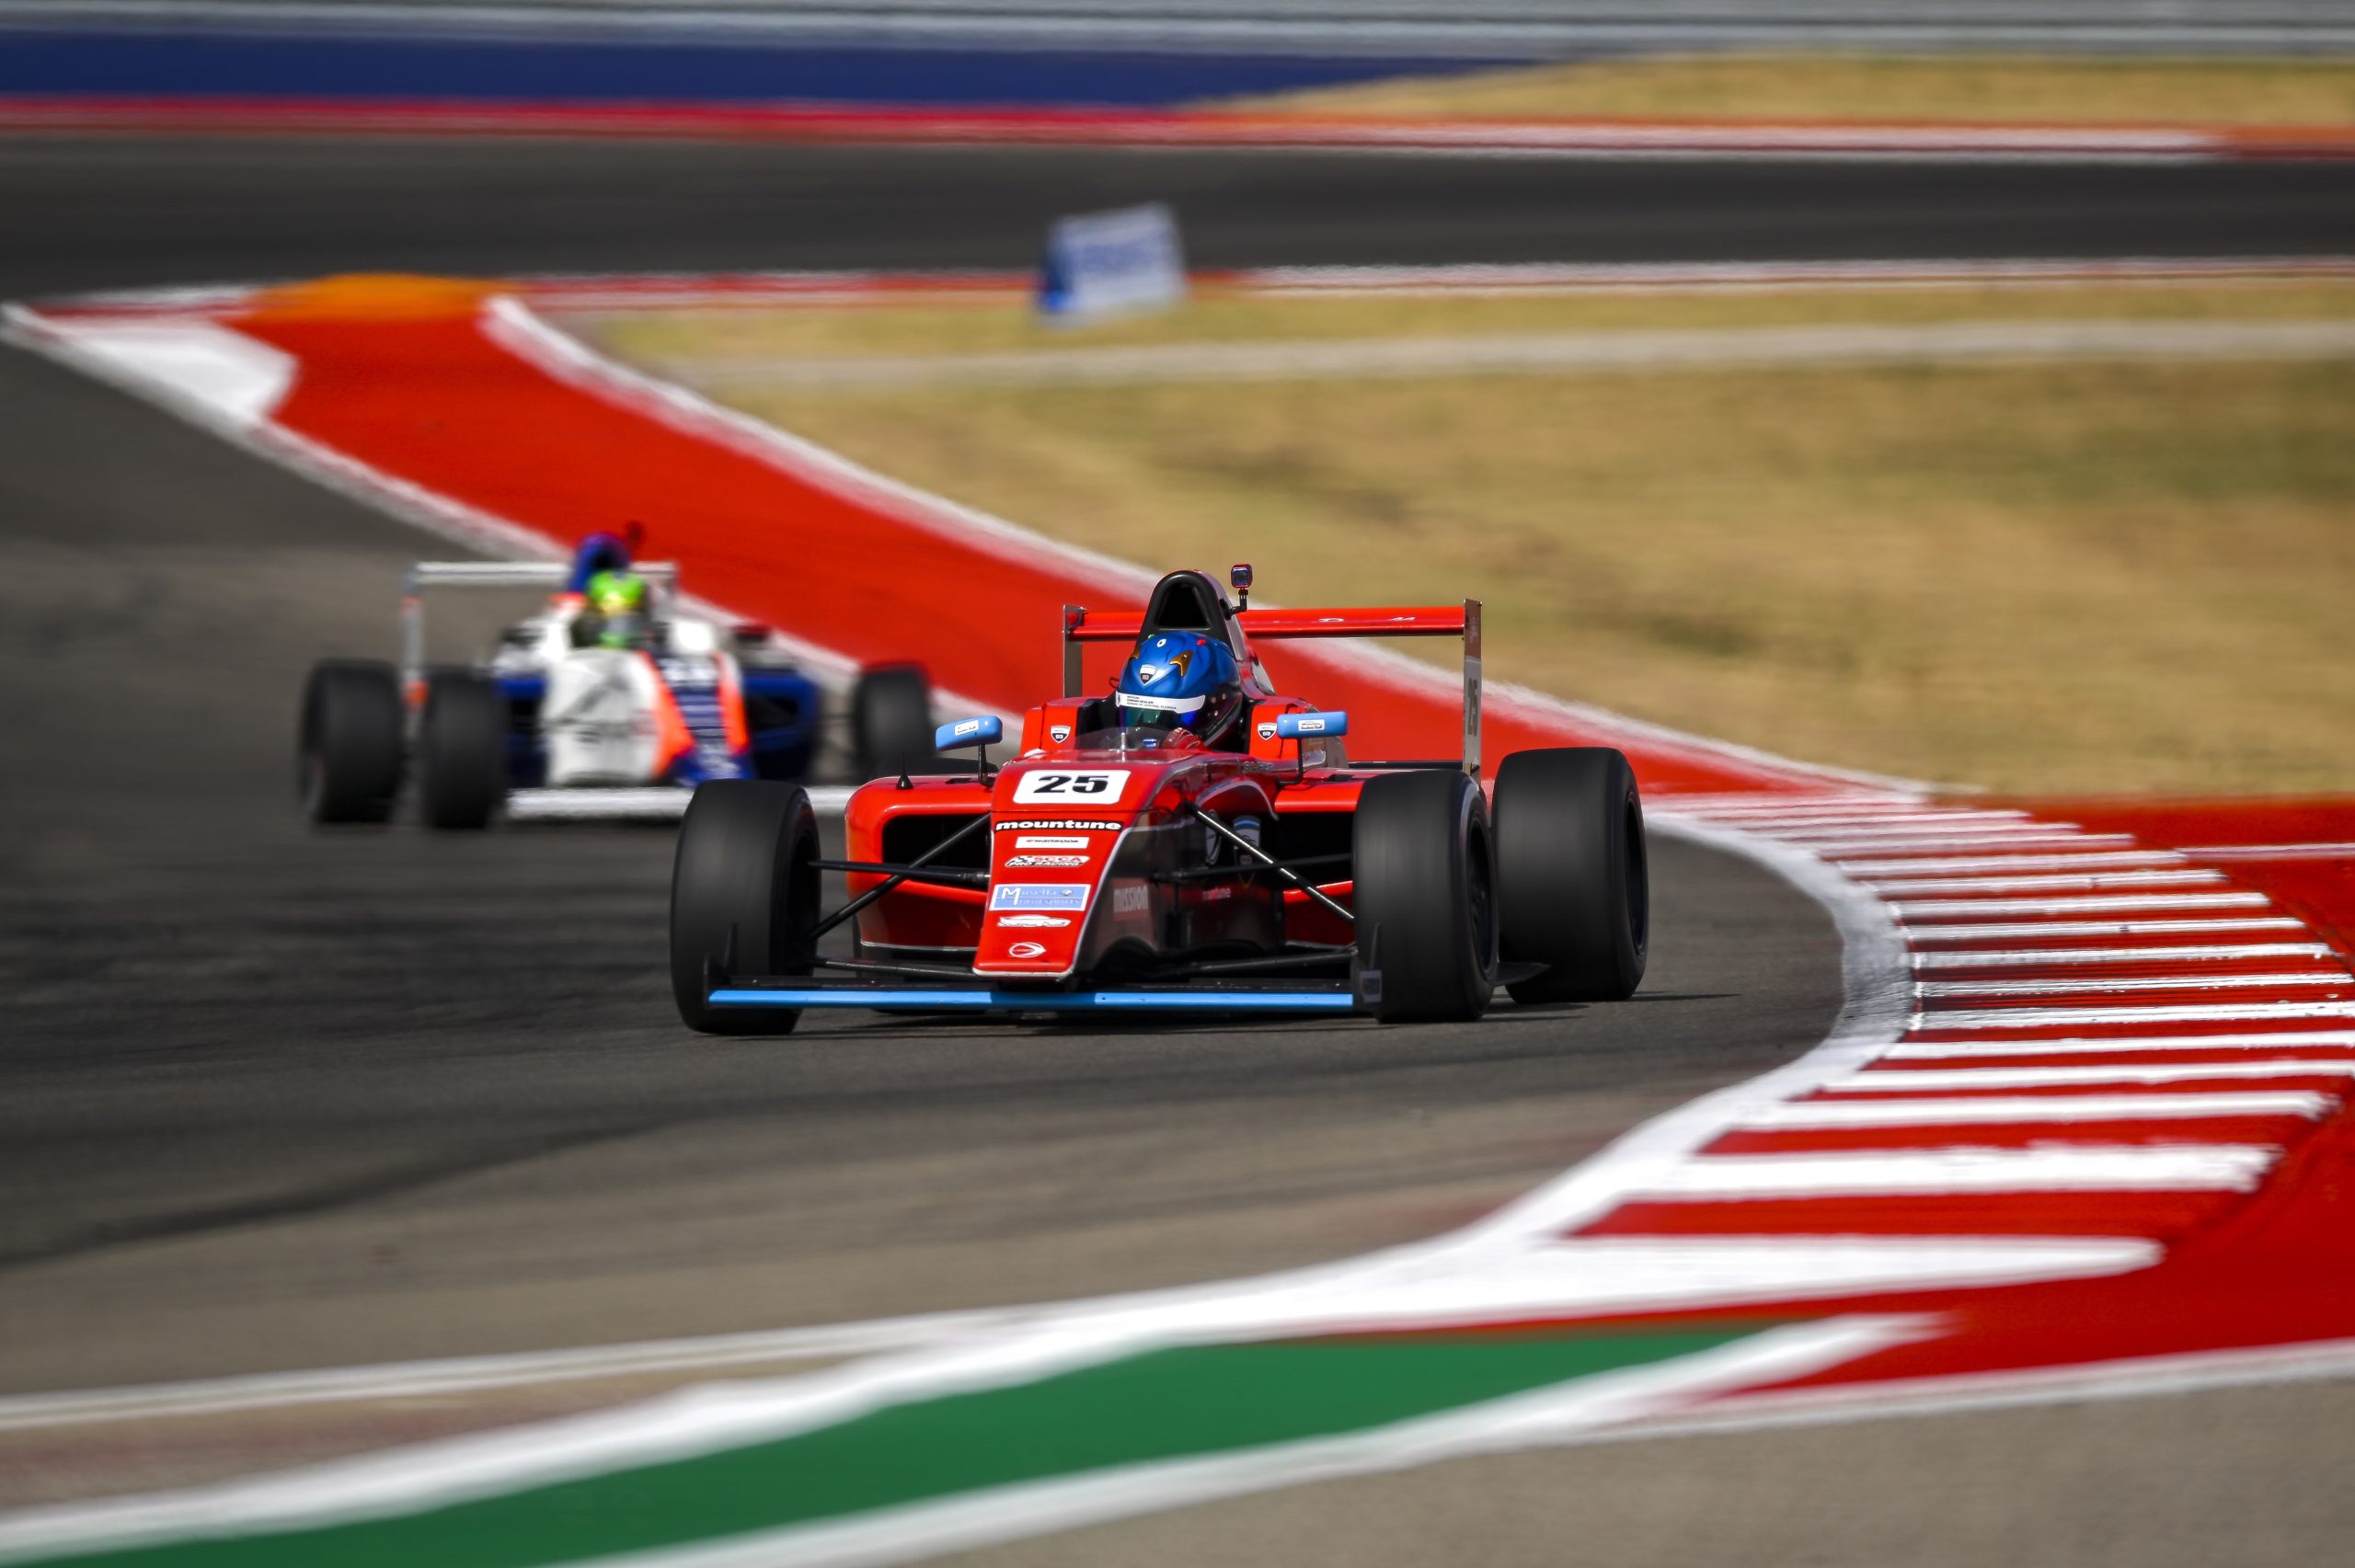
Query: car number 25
1072	787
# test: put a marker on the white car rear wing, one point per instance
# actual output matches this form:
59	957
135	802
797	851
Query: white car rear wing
661	578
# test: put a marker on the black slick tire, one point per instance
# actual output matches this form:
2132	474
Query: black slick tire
348	750
462	752
1425	899
891	717
1574	891
744	891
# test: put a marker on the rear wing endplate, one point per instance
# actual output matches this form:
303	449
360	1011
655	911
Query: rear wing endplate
1082	625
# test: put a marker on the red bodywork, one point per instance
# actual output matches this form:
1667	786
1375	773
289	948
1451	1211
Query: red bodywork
1082	843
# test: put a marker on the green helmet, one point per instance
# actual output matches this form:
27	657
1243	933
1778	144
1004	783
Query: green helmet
619	601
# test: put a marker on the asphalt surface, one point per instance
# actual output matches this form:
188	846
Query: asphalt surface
107	212
272	1098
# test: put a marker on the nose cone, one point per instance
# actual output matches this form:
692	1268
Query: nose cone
1053	828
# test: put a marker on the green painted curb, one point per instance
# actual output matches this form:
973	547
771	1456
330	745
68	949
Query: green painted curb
1164	1405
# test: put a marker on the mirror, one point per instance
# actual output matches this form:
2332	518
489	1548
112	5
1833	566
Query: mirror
984	730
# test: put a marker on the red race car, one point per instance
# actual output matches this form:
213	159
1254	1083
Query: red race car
1193	842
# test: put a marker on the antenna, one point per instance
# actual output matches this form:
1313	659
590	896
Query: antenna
1239	575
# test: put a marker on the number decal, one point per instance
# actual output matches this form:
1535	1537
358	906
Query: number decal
1096	787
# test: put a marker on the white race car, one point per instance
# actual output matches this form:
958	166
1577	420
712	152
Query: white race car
575	714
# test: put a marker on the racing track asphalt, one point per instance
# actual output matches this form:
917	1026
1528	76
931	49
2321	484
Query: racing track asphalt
273	1099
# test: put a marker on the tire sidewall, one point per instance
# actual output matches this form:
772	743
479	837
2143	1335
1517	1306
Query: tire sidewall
1421	895
746	861
461	752
1573	879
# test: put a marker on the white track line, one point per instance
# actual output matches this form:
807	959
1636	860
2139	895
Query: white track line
2274	852
1973	826
1818	824
2008	931
1848	844
1912	912
1826	1116
1912	1080
2127	1168
2281	1040
1958	864
2129	1377
2026	958
2141	1012
1902	886
1793	815
2101	984
472	1374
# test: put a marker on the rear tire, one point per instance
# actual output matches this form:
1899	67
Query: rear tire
1574	892
347	752
462	752
743	897
1425	900
891	722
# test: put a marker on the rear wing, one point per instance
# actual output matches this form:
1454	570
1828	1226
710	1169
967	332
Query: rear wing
661	578
1082	625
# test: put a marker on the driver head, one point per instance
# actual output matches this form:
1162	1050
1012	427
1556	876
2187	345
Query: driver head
1180	680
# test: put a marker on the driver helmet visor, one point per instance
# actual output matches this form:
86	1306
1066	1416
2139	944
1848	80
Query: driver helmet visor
1159	713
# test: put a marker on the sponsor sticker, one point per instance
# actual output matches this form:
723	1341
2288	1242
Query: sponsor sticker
1059	733
1032	920
1053	860
1267	732
1039	896
1051	841
1247	829
1071	787
1130	900
1069	824
1026	950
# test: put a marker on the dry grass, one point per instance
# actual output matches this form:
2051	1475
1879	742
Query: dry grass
1944	88
2043	578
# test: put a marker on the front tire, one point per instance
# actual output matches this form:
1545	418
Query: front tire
348	753
462	752
1573	890
744	892
890	713
1425	900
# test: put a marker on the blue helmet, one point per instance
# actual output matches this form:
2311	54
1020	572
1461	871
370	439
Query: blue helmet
1180	680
